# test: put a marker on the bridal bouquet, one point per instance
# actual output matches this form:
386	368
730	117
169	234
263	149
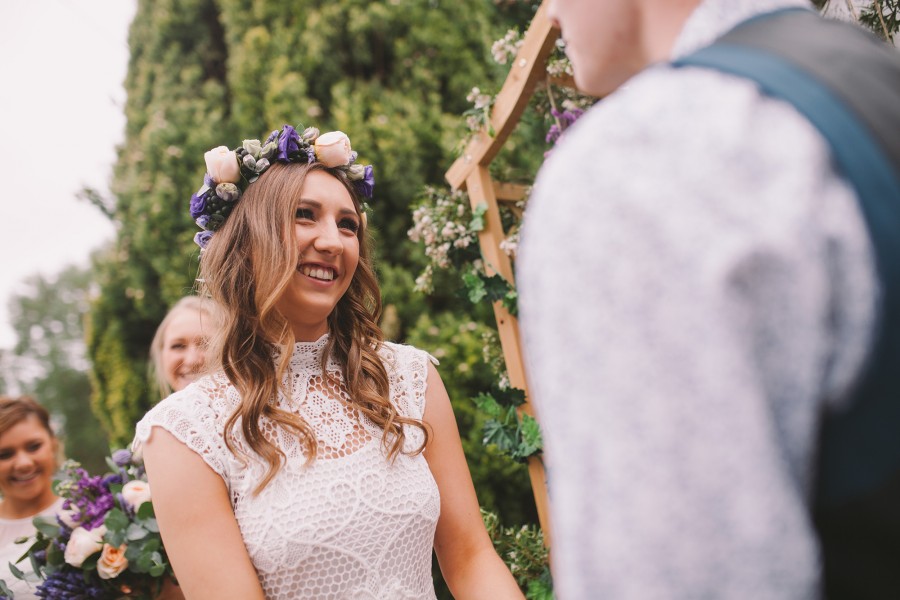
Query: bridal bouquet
105	542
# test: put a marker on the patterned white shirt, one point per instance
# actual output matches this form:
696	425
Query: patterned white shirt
696	286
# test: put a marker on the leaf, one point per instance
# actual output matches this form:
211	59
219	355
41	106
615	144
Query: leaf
501	435
477	222
530	441
135	532
157	570
116	520
145	511
4	590
488	404
509	396
115	538
55	555
475	286
17	572
47	526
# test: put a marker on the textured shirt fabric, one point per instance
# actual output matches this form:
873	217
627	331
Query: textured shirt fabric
696	286
10	551
349	525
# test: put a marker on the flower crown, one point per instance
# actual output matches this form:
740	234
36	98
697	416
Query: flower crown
229	172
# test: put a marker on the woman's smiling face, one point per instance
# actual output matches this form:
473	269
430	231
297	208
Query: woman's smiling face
27	463
326	230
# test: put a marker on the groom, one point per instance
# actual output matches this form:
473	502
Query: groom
699	286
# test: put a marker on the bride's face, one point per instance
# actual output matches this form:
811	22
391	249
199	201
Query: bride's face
326	227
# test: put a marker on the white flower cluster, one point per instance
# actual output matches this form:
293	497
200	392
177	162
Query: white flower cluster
510	244
441	223
507	47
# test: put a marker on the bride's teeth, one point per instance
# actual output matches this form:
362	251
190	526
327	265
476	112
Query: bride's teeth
318	273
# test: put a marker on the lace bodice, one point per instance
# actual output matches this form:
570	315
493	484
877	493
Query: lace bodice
350	524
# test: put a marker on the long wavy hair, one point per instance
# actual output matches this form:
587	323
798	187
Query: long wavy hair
246	268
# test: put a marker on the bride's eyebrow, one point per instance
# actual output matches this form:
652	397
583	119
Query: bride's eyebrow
310	203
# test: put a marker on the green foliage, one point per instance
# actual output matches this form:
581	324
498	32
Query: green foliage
883	18
523	550
50	353
455	340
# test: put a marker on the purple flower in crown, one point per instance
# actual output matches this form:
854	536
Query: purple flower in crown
288	144
202	238
199	201
366	185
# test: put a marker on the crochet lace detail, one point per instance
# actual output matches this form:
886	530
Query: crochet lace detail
349	524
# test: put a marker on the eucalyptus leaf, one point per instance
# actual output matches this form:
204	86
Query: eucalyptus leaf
135	532
47	526
116	520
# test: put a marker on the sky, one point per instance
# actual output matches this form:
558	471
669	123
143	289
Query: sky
61	117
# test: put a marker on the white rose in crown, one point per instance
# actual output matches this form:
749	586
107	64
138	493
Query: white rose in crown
333	149
222	165
112	561
135	493
83	543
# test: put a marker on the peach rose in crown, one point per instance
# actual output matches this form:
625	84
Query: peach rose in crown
333	149
112	561
222	165
83	543
135	493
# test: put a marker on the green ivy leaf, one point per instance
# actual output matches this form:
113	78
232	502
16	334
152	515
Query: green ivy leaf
477	222
475	286
488	404
500	434
530	441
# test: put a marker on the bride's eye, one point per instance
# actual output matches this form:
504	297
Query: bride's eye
304	213
349	224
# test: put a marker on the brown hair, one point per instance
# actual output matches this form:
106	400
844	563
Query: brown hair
246	268
15	410
203	307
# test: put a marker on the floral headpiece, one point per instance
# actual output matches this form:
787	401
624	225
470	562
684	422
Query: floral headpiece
229	172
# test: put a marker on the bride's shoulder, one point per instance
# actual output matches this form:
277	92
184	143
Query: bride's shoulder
397	355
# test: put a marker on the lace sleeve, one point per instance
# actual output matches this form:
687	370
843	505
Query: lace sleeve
195	417
407	368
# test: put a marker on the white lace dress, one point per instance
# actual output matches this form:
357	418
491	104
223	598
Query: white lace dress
349	525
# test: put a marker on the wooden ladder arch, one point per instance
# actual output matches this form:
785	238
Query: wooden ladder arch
470	172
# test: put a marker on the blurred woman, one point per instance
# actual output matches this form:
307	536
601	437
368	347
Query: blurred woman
28	461
178	350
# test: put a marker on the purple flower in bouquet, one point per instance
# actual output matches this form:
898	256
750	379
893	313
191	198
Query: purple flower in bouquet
65	585
121	457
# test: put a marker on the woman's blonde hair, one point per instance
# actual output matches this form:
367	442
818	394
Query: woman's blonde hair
204	307
246	269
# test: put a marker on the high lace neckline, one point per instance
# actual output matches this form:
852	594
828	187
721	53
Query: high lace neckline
309	354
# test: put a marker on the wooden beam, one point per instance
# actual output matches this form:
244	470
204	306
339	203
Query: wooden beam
481	191
510	192
527	69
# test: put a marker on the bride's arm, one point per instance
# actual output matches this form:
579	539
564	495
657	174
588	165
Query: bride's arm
197	524
466	555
